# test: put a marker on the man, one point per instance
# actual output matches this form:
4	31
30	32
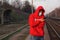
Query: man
37	22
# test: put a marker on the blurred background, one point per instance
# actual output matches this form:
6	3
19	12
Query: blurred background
15	13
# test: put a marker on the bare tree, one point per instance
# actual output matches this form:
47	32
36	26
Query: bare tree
17	4
28	8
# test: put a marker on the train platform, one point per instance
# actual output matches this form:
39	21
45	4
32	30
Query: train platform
46	36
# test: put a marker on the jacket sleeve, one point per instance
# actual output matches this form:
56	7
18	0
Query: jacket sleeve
42	23
32	21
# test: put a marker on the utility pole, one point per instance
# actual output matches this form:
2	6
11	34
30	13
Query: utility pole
2	21
32	6
2	2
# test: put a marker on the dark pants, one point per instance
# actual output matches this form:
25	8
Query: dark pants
37	38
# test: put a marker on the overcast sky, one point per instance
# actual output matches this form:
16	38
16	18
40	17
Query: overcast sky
49	5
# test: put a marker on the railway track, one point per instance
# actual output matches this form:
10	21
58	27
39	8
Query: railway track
53	29
56	22
55	19
23	32
20	34
55	25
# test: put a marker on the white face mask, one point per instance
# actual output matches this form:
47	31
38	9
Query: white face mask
40	14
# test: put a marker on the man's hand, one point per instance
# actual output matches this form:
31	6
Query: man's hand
40	19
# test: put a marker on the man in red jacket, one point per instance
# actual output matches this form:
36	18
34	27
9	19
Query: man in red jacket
36	23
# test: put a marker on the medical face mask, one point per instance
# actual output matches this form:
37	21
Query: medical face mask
40	13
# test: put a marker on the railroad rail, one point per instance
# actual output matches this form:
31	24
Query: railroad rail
56	22
55	18
53	29
9	35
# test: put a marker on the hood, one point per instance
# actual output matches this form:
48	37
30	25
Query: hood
40	8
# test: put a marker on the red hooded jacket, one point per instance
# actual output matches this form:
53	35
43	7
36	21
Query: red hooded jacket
37	27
